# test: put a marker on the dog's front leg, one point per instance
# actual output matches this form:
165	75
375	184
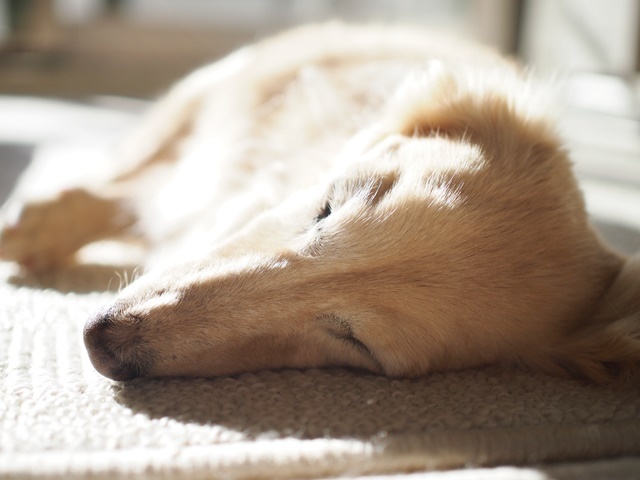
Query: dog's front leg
43	234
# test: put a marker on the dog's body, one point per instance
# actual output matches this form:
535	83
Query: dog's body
358	196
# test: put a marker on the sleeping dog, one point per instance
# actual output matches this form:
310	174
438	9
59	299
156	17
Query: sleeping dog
373	197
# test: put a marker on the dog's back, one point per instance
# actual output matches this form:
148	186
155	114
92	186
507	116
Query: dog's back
283	111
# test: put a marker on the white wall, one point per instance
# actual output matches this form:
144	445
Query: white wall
587	35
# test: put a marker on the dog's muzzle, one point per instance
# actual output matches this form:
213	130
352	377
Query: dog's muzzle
103	358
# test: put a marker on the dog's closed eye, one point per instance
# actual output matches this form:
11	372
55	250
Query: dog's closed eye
324	212
368	189
340	329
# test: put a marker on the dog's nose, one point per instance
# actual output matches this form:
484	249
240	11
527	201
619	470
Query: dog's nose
104	360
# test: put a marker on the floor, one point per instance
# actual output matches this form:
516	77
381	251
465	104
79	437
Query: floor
13	159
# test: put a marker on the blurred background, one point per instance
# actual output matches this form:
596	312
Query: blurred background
137	47
83	69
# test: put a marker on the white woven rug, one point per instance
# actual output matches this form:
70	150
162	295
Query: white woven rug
60	419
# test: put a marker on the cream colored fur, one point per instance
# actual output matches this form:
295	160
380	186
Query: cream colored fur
363	196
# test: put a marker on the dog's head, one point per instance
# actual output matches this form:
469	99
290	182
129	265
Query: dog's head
454	236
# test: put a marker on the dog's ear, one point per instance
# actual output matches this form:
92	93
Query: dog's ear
485	107
608	346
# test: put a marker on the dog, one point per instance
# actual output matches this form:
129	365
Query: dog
363	196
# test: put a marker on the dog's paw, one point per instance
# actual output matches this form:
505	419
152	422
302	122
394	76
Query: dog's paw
43	234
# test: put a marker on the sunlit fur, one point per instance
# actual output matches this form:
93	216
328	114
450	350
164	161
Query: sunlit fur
363	196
